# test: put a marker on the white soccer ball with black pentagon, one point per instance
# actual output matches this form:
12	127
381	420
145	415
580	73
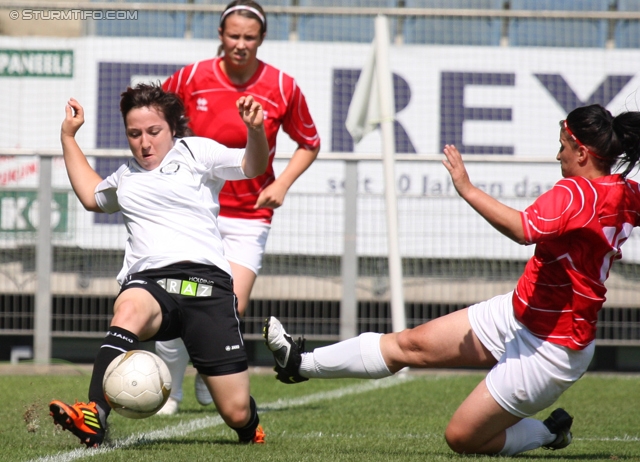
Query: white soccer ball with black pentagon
137	384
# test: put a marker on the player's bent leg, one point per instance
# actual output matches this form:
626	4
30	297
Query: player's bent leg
478	425
231	396
236	406
481	426
175	355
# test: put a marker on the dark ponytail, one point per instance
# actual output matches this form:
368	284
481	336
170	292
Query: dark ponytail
627	129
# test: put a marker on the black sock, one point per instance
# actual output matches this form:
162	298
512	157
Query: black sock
116	342
246	433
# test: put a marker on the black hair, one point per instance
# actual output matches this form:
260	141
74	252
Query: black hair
167	103
615	140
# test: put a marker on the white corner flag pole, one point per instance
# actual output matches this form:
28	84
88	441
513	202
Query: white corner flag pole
387	112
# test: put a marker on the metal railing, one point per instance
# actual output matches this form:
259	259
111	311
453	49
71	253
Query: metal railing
399	15
327	294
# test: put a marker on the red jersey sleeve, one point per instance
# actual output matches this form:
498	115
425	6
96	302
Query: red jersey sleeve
569	205
298	123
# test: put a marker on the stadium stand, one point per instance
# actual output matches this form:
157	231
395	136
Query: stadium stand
627	33
585	33
149	23
453	30
337	28
205	25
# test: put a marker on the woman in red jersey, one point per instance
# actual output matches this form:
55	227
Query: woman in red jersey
538	339
209	90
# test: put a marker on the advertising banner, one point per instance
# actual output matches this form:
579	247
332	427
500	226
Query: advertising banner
488	101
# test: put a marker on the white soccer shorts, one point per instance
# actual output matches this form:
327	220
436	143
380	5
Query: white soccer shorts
531	373
244	241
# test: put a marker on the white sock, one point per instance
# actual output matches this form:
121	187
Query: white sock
526	435
358	357
175	356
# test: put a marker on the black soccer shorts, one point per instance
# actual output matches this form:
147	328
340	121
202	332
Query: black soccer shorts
198	305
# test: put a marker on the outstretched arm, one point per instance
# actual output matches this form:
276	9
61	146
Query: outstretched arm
256	156
83	178
273	195
502	217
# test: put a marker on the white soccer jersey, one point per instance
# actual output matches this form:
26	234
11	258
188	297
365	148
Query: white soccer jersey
171	212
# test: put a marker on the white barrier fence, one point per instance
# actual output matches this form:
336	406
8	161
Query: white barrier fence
321	277
493	79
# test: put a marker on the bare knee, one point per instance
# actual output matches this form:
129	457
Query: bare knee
408	342
459	441
455	440
463	440
235	415
126	312
410	349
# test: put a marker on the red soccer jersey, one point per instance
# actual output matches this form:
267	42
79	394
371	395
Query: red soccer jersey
210	102
578	227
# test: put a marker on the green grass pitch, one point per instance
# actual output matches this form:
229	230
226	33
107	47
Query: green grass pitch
397	419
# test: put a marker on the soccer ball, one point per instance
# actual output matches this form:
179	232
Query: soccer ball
137	384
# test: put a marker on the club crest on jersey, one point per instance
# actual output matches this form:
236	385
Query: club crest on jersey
202	104
170	169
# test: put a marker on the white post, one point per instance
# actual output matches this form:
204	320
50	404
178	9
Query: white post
387	113
349	301
42	312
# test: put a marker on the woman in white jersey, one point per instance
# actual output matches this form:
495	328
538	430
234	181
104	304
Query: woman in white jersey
538	339
209	89
175	281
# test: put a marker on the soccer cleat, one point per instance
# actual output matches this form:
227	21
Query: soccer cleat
80	419
259	436
559	423
170	407
202	392
286	352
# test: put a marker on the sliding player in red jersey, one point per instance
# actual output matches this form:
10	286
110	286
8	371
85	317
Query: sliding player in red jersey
538	339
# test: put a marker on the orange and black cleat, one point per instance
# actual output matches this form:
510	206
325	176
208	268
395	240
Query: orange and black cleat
259	437
80	419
